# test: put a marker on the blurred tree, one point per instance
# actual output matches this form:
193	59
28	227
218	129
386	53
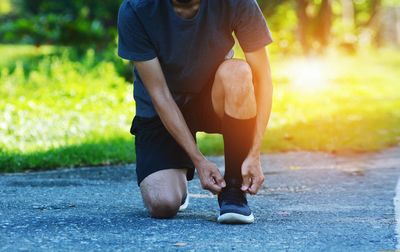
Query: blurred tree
314	24
269	6
69	22
303	28
321	23
298	25
348	13
324	20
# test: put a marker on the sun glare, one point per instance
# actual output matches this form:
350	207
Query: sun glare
308	74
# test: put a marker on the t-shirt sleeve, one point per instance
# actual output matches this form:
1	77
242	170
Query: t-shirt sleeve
133	42
250	26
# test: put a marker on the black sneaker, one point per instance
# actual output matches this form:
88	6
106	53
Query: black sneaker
233	207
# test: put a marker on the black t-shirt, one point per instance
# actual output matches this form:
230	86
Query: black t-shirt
189	50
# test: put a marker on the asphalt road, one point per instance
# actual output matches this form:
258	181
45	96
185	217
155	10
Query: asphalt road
310	201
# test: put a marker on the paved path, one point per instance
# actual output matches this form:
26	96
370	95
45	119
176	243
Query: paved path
311	202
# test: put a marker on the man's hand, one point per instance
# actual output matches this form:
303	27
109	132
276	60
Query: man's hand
252	174
210	177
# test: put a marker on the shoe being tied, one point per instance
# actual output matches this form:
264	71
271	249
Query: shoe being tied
233	207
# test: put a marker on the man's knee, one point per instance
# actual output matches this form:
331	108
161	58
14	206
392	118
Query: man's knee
166	207
234	71
236	78
162	192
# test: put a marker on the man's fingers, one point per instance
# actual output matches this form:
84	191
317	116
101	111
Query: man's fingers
210	177
255	186
212	185
214	188
219	179
246	183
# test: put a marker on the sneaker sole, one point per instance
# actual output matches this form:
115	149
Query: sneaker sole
185	204
234	218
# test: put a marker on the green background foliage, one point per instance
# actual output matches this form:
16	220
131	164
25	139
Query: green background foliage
299	25
67	22
66	98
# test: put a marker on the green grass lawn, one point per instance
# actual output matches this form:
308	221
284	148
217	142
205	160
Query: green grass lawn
59	112
356	109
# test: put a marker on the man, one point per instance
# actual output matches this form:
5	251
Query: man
187	82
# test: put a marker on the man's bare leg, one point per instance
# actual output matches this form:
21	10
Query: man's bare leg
163	192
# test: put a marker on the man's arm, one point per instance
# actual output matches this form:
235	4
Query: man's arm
173	120
262	81
251	169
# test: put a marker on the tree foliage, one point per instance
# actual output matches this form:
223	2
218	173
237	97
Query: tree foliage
313	25
68	22
297	25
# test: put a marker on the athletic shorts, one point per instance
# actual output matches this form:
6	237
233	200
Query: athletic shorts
157	150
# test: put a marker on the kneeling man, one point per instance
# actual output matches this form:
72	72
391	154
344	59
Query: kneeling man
187	81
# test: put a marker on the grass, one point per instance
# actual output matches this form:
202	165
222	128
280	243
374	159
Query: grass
58	111
355	110
103	152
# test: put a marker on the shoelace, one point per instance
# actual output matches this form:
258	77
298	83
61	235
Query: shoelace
233	195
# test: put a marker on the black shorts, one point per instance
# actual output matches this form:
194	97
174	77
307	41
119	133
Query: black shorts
157	150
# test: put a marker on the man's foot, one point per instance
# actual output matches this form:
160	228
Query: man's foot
233	207
185	202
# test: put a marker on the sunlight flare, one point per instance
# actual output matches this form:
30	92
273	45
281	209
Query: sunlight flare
308	74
